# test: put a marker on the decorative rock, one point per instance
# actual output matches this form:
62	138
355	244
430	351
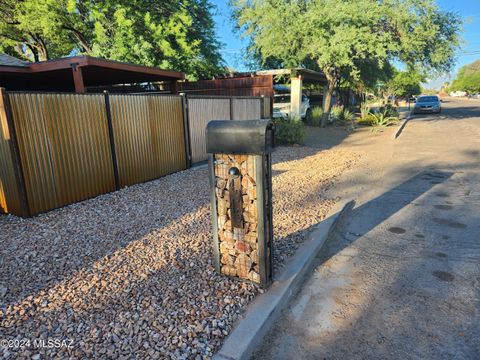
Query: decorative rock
134	249
243	247
236	243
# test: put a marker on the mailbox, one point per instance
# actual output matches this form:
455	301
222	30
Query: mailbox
239	158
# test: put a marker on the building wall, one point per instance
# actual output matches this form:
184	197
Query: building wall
242	86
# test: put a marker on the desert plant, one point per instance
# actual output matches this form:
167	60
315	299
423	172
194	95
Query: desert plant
289	131
365	110
336	113
347	116
382	119
316	117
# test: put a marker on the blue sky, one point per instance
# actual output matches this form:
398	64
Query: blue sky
234	46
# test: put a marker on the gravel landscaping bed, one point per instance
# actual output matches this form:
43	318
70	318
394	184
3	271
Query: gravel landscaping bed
131	274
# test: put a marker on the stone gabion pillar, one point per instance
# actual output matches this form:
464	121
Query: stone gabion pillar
241	198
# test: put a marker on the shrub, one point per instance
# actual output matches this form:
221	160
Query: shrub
347	116
316	117
389	110
367	120
289	131
336	113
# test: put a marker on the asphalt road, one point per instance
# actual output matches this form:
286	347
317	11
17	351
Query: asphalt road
400	278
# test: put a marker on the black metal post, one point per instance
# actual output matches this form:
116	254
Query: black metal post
111	137
186	130
262	107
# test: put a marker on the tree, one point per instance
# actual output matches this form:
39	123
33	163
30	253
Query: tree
176	34
369	76
340	35
467	79
405	84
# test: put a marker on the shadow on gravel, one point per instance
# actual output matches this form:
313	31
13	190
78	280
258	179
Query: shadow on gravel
41	252
325	138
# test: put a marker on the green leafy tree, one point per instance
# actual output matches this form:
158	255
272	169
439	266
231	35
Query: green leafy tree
370	75
405	83
467	79
340	35
177	34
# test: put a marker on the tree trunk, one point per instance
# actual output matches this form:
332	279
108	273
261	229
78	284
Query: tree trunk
43	50
80	38
34	53
345	96
327	100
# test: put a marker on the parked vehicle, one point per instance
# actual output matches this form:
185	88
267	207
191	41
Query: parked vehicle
458	93
427	104
282	106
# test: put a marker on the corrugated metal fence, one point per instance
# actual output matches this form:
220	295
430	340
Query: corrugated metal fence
149	136
202	109
64	148
10	196
200	112
57	149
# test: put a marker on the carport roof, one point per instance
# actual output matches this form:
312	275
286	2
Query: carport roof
78	72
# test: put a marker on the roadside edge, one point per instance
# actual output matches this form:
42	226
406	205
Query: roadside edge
264	310
404	122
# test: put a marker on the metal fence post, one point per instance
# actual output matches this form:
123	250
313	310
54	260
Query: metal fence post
186	130
262	107
16	159
111	137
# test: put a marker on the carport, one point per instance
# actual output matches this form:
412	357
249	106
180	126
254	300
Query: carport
80	74
298	77
256	83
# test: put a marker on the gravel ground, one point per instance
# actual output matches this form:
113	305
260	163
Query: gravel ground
131	273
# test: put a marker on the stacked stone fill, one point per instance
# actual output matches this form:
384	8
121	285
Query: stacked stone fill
238	246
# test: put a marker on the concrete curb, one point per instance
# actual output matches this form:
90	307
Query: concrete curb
402	125
263	311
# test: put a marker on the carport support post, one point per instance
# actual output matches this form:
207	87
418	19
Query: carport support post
174	87
77	78
296	96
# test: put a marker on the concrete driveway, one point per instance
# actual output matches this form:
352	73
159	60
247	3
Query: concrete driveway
400	278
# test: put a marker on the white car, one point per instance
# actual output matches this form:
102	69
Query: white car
282	106
458	94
